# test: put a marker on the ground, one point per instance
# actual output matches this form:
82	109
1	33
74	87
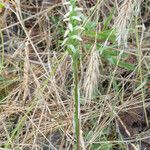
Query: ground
36	75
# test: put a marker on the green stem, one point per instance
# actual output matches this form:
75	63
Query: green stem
76	103
2	45
73	41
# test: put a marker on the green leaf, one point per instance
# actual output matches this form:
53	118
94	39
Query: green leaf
78	9
76	18
90	26
78	28
70	26
77	37
107	21
108	52
127	66
66	33
2	78
121	64
103	36
2	5
72	48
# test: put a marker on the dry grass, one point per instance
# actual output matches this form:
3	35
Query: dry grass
36	101
91	78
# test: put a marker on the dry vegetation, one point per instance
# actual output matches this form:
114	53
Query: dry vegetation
36	77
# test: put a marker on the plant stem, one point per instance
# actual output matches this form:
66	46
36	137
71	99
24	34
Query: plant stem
72	41
76	104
